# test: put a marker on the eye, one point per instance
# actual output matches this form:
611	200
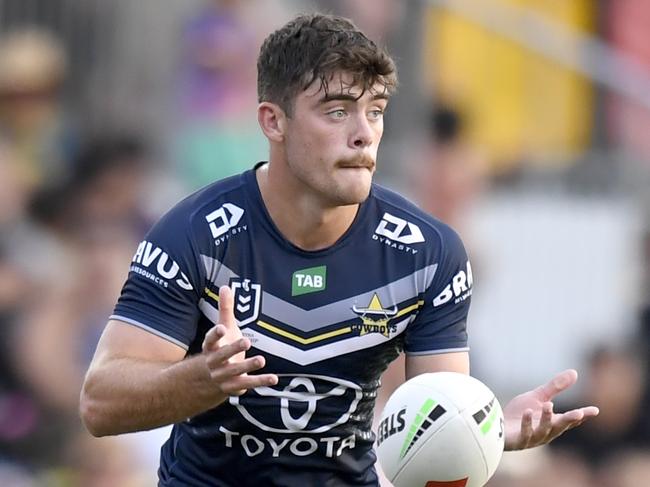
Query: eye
375	114
337	114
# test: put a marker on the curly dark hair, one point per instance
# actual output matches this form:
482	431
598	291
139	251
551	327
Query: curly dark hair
315	47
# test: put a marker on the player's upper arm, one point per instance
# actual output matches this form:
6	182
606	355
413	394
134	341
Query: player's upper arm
442	362
122	340
440	324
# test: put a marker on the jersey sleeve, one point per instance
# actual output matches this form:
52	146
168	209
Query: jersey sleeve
440	325
164	283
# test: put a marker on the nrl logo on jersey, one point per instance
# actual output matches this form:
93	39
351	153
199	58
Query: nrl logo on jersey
248	300
223	222
398	233
374	318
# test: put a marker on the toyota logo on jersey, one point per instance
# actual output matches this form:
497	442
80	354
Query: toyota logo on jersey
300	404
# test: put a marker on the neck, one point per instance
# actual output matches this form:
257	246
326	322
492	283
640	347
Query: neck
304	219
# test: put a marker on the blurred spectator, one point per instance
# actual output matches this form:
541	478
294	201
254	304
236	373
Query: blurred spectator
217	77
539	467
108	181
99	462
15	476
32	119
644	350
59	282
630	468
14	191
55	337
105	190
452	174
378	19
615	383
28	427
217	132
38	243
91	223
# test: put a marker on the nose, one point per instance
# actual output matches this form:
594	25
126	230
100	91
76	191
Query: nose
363	135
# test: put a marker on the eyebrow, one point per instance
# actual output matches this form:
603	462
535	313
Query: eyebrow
346	97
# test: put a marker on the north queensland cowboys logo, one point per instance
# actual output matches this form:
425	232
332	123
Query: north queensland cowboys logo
248	299
399	230
375	318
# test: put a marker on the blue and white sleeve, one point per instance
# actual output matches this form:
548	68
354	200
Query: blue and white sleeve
164	284
441	324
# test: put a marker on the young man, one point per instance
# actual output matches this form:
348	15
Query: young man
260	312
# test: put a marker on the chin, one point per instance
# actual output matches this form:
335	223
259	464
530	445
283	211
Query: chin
352	196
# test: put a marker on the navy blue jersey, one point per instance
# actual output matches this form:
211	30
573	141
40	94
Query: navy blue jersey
328	323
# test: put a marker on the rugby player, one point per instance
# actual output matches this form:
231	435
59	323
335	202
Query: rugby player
260	311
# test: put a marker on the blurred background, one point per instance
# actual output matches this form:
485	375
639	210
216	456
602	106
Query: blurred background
525	124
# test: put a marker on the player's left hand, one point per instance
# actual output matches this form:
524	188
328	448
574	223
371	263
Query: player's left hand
529	417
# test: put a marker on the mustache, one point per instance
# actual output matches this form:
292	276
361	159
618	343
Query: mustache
362	160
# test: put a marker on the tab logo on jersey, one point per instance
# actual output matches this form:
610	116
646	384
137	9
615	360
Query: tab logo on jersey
310	280
248	299
300	404
399	230
166	269
223	222
375	318
459	288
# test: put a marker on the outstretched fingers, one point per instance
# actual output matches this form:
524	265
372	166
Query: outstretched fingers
526	435
589	412
224	349
238	368
545	428
530	420
212	338
238	385
233	378
551	425
561	382
222	355
573	418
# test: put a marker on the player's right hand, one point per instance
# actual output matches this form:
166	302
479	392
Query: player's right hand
225	350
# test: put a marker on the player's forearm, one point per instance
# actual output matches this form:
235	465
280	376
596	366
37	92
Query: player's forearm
126	395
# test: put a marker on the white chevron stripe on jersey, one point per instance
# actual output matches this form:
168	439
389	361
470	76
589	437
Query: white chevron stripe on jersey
289	352
399	291
294	354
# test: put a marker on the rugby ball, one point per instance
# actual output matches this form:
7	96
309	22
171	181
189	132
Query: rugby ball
440	429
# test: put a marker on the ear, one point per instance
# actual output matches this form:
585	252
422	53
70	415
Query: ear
272	120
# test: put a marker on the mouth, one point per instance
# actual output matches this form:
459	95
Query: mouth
369	168
358	163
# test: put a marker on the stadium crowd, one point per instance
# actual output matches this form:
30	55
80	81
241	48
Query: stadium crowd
76	197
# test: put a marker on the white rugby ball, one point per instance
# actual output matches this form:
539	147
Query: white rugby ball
440	429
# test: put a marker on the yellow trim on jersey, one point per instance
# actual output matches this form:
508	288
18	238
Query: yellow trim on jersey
211	294
317	338
303	341
325	336
408	309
